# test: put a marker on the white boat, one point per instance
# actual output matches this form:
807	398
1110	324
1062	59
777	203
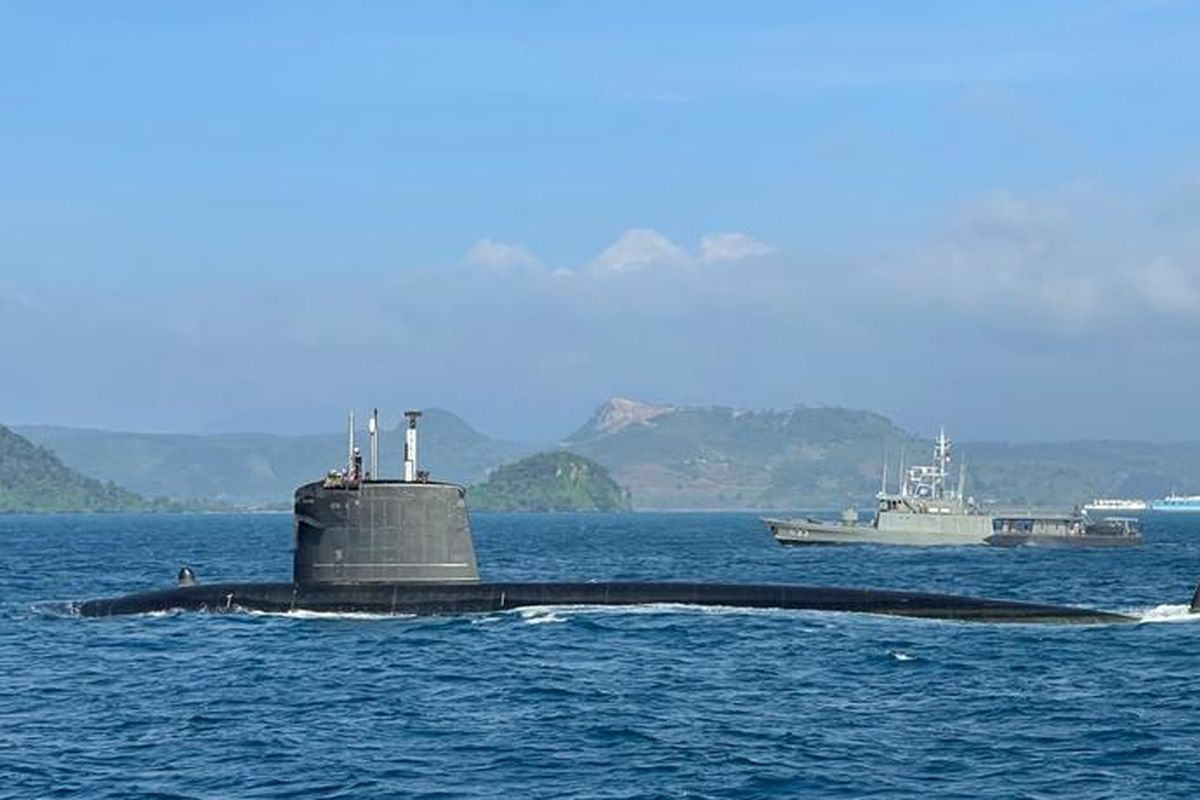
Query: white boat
1104	505
1177	504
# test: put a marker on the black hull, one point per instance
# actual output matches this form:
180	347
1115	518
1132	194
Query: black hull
448	598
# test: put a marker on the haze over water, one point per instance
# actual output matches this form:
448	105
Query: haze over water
621	703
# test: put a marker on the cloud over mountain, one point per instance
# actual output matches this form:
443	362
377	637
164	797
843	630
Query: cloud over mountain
638	248
499	255
732	246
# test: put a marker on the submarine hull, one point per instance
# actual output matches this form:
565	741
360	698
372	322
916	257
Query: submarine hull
457	598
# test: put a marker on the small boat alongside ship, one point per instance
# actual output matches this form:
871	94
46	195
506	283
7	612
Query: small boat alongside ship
1063	530
926	512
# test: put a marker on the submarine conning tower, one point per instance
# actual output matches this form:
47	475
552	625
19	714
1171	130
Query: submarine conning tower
353	527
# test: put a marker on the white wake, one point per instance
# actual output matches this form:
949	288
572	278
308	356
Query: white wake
1167	613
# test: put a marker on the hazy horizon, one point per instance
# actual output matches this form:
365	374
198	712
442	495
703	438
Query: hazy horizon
224	216
391	421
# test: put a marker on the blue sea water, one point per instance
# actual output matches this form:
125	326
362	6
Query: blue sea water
606	703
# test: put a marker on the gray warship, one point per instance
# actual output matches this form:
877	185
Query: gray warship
926	512
922	512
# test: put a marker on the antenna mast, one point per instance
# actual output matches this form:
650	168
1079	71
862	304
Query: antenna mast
941	460
883	471
373	432
350	446
410	446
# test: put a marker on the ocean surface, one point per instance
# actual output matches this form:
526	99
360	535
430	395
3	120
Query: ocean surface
586	702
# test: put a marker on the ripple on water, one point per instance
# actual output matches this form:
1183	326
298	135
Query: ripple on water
592	701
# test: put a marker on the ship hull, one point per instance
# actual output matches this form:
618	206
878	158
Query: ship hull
815	532
450	598
1061	542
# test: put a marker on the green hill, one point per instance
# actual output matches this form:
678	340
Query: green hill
553	481
687	457
32	479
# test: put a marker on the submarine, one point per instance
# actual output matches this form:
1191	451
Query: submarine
403	546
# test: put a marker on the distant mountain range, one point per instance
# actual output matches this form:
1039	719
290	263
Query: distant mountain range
666	456
688	457
32	479
262	469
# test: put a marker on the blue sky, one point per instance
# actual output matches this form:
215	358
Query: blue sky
972	213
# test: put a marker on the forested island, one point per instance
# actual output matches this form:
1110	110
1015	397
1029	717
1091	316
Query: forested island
552	481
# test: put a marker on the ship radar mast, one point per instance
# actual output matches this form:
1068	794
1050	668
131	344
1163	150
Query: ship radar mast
928	481
941	461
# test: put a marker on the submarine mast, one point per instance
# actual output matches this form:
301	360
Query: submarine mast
410	447
373	434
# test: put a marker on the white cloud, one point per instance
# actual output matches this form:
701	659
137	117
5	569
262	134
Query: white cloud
731	246
1167	286
637	248
499	255
1075	261
634	250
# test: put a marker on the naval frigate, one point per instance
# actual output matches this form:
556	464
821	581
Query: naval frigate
924	511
